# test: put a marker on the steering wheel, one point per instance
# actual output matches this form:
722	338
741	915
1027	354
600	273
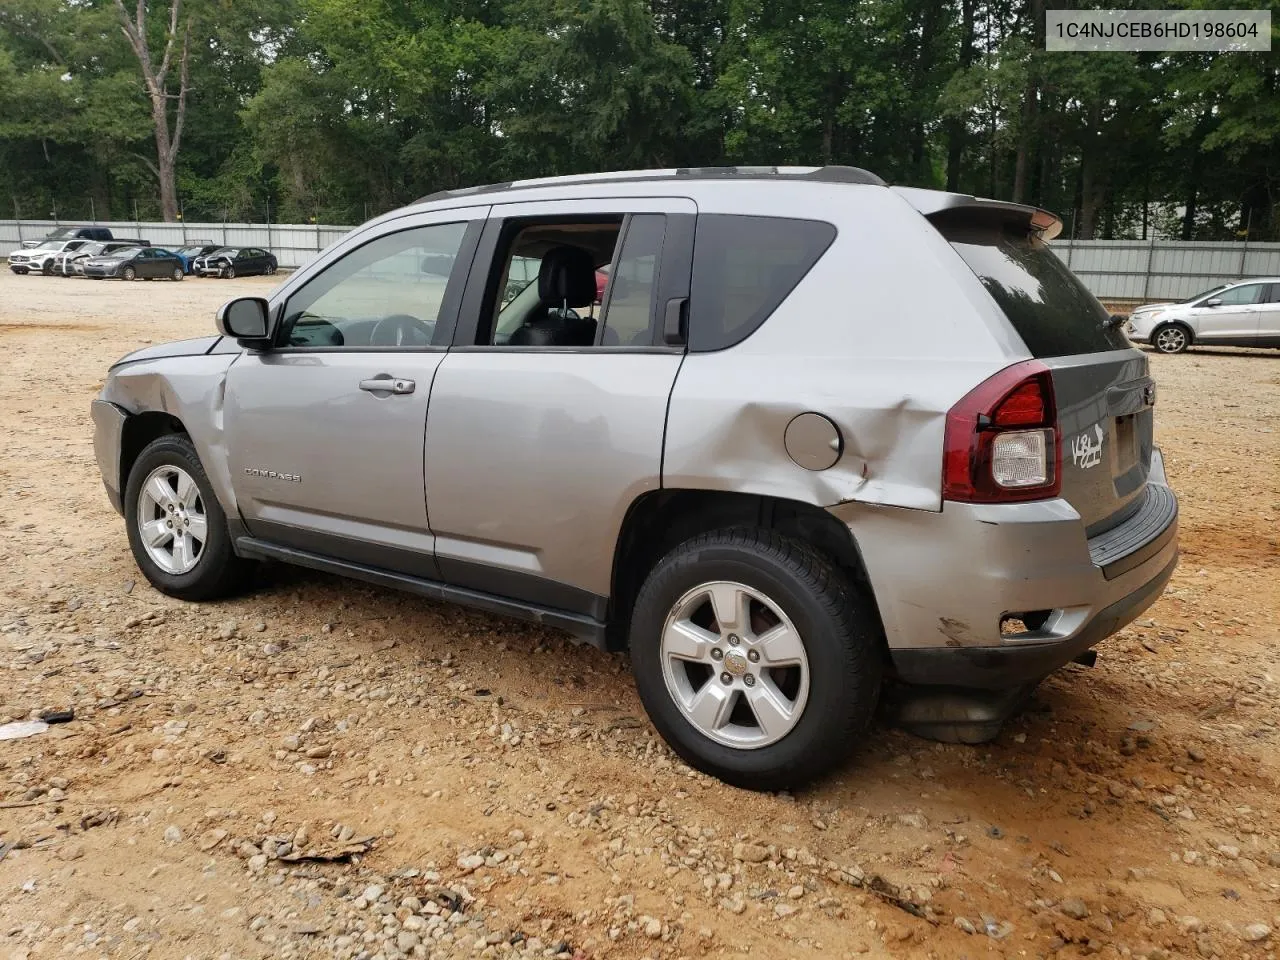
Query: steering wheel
401	330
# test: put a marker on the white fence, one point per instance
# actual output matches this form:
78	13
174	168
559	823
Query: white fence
1164	269
293	244
1112	269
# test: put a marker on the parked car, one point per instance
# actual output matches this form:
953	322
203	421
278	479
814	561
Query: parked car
231	262
1242	313
71	233
760	467
70	263
191	252
39	259
133	263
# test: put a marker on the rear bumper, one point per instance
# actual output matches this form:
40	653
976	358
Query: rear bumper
1009	666
944	582
108	428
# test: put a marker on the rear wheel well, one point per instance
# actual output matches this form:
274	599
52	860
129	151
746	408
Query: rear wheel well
139	430
663	519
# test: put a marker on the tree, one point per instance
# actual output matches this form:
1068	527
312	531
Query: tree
157	80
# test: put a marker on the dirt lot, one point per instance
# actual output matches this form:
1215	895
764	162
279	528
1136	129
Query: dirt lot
511	796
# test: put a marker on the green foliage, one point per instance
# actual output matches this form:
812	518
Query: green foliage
339	109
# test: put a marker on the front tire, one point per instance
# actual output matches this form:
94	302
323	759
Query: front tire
177	529
755	658
128	273
1171	338
231	273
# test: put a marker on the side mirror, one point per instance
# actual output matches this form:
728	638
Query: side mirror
1213	302
246	320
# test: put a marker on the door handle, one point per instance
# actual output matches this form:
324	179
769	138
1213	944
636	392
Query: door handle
387	384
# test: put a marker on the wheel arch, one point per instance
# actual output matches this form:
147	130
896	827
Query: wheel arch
1186	328
660	520
139	430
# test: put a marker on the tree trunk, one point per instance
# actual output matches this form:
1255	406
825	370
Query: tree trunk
156	79
956	127
1030	103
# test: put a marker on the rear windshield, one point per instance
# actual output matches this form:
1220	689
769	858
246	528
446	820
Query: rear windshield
1051	310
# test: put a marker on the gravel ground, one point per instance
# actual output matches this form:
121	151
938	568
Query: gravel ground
323	768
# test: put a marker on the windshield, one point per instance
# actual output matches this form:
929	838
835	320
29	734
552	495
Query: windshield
48	245
1205	293
124	252
92	248
225	252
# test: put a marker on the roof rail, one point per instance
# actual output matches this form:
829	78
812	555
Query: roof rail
828	174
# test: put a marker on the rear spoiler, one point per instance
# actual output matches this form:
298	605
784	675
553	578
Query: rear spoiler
941	205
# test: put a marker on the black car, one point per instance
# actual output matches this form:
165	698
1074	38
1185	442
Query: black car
231	262
134	262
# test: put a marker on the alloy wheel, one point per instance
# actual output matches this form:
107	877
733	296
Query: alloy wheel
1171	340
171	519
735	665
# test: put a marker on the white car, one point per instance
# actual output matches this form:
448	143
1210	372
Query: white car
39	259
1242	313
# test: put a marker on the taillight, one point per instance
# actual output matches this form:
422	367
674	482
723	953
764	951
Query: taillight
1001	442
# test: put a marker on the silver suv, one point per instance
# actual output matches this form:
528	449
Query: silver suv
815	437
1243	313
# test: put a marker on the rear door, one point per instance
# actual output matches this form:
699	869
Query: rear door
1269	318
537	445
1102	385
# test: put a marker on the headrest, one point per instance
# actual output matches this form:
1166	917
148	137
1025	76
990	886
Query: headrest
567	276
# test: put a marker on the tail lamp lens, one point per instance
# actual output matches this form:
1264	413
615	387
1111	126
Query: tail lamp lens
1021	458
1001	441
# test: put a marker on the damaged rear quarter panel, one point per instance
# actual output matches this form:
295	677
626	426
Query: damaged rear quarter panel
885	333
190	388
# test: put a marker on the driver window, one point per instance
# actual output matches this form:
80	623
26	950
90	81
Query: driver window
1239	296
386	293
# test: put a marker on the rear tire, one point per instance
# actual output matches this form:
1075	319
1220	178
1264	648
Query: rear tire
815	706
168	471
178	273
1171	338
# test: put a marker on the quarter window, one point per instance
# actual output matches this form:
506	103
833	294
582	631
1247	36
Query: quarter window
387	293
743	268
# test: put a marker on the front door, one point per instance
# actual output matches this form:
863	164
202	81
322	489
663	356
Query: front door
1234	319
325	431
547	417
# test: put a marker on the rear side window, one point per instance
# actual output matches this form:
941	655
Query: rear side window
743	267
1053	312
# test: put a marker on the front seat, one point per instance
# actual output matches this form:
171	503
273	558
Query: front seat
566	278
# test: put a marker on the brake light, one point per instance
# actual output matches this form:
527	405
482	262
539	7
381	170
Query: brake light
1001	443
